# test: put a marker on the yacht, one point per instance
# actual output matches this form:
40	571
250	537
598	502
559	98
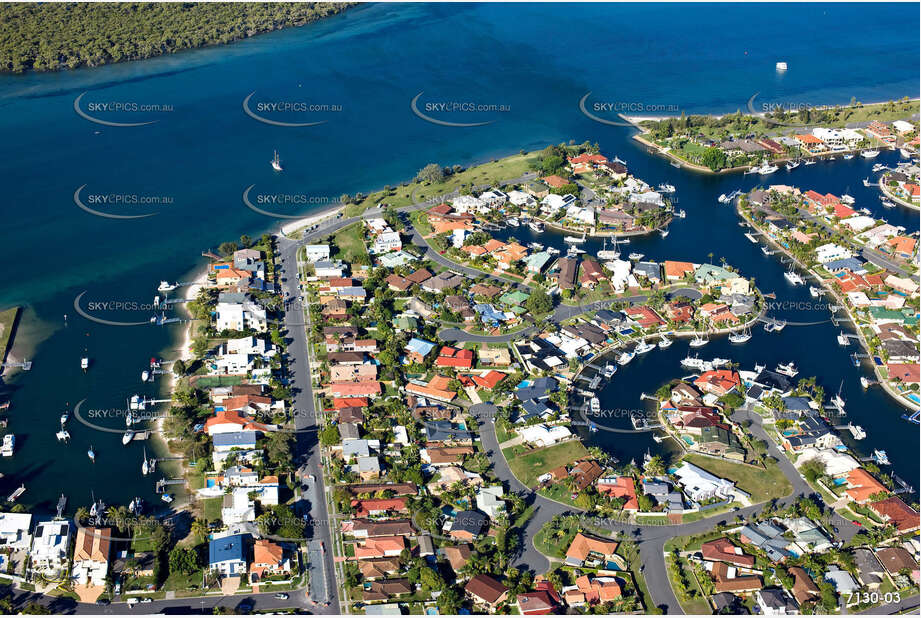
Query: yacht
665	342
128	436
864	382
847	199
513	222
880	457
779	325
148	465
145	376
740	337
793	278
698	341
166	286
692	362
781	66
63	435
809	162
537	226
553	251
276	163
536	246
719	362
64	418
625	358
858	432
574	251
869	154
905	153
723	199
888	204
666	188
609	371
766	169
663	233
166	498
788	370
766	251
609	254
84	363
814	291
636	256
681	214
848	156
574	239
644	347
838	401
595	405
833	158
8	446
792	165
91	453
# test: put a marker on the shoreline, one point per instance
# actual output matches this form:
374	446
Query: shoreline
851	318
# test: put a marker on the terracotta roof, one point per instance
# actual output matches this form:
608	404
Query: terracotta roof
486	588
861	485
723	550
93	544
267	552
582	545
896	512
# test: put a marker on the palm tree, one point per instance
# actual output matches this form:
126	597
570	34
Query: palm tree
199	528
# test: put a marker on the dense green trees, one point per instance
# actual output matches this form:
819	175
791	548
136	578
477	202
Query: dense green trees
49	37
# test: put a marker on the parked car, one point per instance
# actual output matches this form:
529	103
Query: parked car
281	596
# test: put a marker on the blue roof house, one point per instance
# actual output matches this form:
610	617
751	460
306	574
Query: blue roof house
227	555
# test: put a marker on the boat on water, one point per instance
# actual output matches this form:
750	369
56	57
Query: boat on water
719	362
644	347
64	418
595	405
904	153
63	435
838	401
514	222
793	278
91	453
574	251
692	362
609	254
742	337
869	154
848	157
536	246
666	188
789	369
723	199
137	403
766	251
128	436
276	163
866	211
9	445
781	66
698	341
609	371
858	432
136	506
847	199
553	251
843	340
145	376
865	382
675	164
792	165
663	233
574	239
664	342
809	162
833	158
625	358
537	226
13	497
779	325
636	256
880	457
766	169
888	204
681	214
815	292
166	286
166	498
84	363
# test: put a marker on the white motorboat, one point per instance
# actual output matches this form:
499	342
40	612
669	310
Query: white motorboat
137	403
792	165
843	340
553	251
814	291
276	163
644	347
793	278
809	162
880	457
91	453
63	435
766	251
675	164
692	362
625	358
664	342
663	233
848	157
574	239
166	286
574	251
145	376
888	204
869	154
857	431
723	199
513	222
609	371
536	246
635	256
904	153
84	363
166	498
788	370
595	405
666	188
537	226
128	436
64	418
766	169
719	362
779	325
698	341
9	445
681	214
847	199
781	66
864	382
740	337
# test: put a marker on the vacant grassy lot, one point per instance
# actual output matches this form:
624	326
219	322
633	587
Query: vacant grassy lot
530	465
762	485
350	242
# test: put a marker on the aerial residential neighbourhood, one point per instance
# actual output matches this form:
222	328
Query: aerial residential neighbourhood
402	309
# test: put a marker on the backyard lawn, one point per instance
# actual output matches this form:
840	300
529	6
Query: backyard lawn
531	464
762	485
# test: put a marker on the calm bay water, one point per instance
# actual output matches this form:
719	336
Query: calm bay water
537	60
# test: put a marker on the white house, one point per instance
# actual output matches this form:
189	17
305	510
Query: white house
832	251
240	316
520	198
466	203
902	126
14	531
859	223
585	216
554	202
835	463
50	543
541	435
248	345
238	507
489	500
458	236
386	242
620	274
698	484
316	253
328	269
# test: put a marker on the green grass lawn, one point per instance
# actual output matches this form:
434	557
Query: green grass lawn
530	465
691	605
350	242
554	543
212	508
762	485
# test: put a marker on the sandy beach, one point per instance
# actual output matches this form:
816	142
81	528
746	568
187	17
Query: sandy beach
299	223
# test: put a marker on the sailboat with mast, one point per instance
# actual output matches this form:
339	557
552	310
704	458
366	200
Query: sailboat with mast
276	163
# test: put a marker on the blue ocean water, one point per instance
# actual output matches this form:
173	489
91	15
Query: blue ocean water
535	60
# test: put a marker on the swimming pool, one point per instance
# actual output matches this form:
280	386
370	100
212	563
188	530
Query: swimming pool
688	440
